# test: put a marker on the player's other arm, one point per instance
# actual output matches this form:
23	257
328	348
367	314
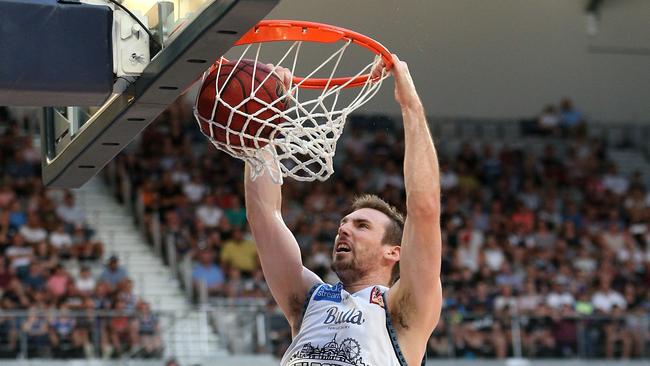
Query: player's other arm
279	253
417	296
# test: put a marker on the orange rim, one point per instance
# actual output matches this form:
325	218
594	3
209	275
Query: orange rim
293	30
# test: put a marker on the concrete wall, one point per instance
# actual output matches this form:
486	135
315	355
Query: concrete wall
505	58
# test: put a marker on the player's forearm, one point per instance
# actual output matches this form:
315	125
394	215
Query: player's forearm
421	171
263	197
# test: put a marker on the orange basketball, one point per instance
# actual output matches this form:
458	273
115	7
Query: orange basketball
235	89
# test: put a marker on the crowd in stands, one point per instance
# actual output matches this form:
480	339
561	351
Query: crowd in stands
558	238
55	297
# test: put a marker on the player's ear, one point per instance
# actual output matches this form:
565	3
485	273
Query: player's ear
392	252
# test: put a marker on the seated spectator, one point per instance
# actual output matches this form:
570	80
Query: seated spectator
236	214
209	213
617	333
505	300
33	231
559	297
147	335
195	189
64	336
207	273
57	283
85	283
113	273
35	278
120	331
125	294
61	242
548	122
70	213
240	253
606	298
20	255
8	335
615	182
84	248
37	331
17	216
571	120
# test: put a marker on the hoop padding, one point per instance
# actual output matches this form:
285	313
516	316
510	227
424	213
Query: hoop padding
304	135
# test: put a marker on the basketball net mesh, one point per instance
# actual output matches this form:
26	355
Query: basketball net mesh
303	144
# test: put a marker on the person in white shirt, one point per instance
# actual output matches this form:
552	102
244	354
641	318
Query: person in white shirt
559	296
85	283
606	298
194	189
209	213
33	232
390	295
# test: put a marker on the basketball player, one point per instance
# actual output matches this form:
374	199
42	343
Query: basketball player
370	318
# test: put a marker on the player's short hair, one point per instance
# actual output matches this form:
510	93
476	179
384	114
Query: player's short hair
394	230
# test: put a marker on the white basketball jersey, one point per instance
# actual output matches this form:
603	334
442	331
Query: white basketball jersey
343	329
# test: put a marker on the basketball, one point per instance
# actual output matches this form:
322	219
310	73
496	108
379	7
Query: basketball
235	82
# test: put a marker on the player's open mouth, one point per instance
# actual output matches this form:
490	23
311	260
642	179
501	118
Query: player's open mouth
343	248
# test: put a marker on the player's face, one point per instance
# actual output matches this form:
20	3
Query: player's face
358	247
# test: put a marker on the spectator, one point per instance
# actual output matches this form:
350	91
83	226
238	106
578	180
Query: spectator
33	231
209	213
236	214
615	182
37	331
20	255
120	331
71	214
61	242
64	336
195	189
113	273
571	119
207	273
148	331
493	256
559	297
606	298
85	283
240	253
57	283
549	121
8	335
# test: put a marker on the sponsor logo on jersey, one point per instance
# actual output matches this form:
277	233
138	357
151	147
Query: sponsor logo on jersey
336	315
376	297
329	293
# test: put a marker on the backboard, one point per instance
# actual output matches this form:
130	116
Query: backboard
78	141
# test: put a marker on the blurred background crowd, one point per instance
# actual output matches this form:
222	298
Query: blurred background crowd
555	236
552	243
59	295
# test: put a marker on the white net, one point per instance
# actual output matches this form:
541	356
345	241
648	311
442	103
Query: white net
298	141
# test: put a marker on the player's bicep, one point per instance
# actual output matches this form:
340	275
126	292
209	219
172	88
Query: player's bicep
279	253
418	293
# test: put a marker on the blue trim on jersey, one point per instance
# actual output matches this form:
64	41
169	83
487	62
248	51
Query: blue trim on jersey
392	334
307	299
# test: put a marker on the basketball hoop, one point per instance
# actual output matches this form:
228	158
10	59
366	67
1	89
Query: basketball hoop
303	136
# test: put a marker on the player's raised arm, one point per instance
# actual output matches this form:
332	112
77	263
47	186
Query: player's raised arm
417	296
288	280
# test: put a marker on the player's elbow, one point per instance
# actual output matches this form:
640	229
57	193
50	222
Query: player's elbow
424	206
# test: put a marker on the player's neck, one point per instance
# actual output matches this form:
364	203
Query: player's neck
361	283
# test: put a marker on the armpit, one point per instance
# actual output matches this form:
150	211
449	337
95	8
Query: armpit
400	314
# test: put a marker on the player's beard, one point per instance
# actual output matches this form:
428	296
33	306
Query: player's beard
349	269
